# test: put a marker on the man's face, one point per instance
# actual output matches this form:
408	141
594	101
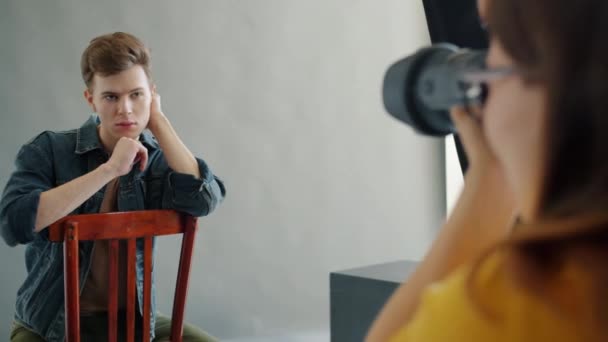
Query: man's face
122	102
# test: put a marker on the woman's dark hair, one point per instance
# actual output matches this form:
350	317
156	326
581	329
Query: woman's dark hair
563	45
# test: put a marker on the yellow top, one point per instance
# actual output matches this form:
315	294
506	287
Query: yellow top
448	313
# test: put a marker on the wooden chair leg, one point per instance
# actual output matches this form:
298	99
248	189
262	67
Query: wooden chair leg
113	291
71	290
147	287
131	290
183	275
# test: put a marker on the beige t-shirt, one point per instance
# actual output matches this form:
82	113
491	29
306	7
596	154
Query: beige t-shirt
94	296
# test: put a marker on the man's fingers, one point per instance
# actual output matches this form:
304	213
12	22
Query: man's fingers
143	157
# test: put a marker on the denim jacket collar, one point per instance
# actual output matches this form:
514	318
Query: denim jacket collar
88	138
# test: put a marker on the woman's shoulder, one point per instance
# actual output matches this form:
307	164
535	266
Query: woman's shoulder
483	302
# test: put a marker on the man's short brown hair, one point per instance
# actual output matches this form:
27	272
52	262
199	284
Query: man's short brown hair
111	54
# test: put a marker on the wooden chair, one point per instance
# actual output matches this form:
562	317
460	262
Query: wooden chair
127	226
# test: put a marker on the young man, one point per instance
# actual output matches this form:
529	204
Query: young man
109	164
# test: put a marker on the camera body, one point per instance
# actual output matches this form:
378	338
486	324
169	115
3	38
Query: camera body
420	89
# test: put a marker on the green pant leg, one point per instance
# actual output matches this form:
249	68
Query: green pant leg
162	331
92	330
20	333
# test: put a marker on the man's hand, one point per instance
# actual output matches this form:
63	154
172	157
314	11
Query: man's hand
127	153
156	113
62	200
179	157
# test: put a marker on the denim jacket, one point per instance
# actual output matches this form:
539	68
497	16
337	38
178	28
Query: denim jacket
54	158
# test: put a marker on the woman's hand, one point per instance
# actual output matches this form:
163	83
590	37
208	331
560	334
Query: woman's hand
482	160
485	176
486	206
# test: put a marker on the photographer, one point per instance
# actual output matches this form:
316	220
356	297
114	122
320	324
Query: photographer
537	152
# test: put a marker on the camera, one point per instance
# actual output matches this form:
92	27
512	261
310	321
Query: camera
420	89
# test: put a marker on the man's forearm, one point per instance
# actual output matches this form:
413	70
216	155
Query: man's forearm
62	200
178	156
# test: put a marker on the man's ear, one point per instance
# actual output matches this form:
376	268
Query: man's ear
88	95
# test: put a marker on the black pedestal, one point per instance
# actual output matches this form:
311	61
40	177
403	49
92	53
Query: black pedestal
357	295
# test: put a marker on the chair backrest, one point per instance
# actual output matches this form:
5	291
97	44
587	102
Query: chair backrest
127	226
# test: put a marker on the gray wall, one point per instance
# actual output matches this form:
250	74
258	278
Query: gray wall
282	98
